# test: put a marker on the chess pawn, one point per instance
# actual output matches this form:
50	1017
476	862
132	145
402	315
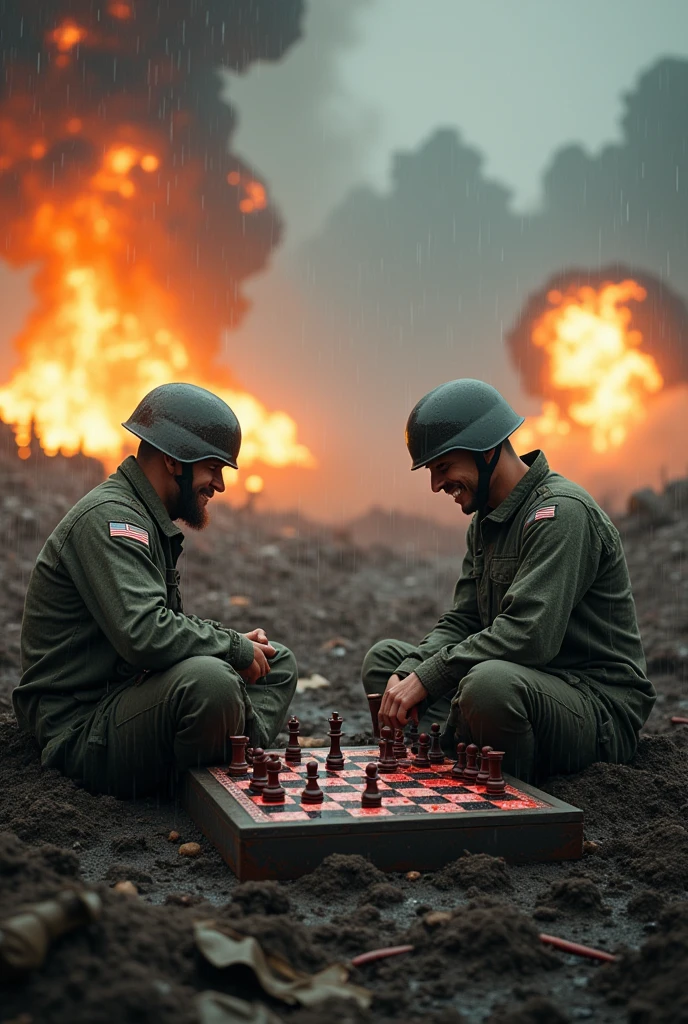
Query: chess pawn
259	779
312	794
399	747
460	764
483	775
495	785
274	792
421	759
238	766
413	736
387	762
292	755
435	754
371	795
335	758
470	772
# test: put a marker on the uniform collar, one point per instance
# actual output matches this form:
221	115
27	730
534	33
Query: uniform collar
148	495
539	469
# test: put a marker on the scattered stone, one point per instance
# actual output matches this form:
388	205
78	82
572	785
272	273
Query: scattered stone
190	850
173	837
436	918
479	870
578	894
126	888
590	847
413	876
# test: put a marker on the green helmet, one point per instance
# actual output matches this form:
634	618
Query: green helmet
188	423
467	414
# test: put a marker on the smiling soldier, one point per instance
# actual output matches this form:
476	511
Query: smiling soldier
121	688
540	655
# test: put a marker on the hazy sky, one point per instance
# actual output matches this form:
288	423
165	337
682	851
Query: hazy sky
519	78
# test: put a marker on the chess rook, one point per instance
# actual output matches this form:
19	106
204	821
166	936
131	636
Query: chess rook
312	794
274	792
470	772
292	755
371	795
460	763
374	702
435	754
238	766
484	772
495	785
335	758
421	759
259	778
387	762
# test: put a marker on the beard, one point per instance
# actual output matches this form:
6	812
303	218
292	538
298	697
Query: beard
190	509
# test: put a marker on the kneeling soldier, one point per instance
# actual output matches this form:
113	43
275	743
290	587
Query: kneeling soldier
540	654
120	687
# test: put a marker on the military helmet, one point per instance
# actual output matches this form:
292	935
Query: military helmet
466	413
188	423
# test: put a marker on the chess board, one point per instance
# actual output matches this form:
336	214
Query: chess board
427	819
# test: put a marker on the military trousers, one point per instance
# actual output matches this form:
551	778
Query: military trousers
544	724
141	737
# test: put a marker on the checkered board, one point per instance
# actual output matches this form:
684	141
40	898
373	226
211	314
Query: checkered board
427	819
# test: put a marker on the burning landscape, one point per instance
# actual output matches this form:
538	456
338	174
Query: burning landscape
119	188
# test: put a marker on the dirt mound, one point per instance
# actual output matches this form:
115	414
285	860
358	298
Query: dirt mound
658	858
339	875
535	1010
646	905
578	894
261	898
475	870
652	982
383	894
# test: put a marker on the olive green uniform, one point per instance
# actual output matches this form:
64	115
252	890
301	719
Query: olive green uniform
120	687
540	655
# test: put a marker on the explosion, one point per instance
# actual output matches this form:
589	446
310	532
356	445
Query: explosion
598	348
117	184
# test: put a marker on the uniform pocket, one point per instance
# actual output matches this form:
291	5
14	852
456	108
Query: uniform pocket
501	575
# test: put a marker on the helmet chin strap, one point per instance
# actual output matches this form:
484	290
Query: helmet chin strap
485	471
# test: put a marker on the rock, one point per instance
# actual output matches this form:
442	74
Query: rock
412	876
190	850
126	887
173	837
437	917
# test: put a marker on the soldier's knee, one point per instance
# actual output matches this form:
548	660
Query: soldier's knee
211	690
285	662
380	654
487	692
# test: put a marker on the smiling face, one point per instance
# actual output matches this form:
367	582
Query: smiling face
195	495
457	475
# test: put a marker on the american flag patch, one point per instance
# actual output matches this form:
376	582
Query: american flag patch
545	512
127	530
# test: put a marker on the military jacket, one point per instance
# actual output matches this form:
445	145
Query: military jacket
545	584
103	603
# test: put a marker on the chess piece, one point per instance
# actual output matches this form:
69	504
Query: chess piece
460	764
335	758
371	795
470	772
495	785
413	736
399	747
238	766
312	794
483	775
274	792
387	762
421	759
259	778
292	755
374	702
435	754
249	756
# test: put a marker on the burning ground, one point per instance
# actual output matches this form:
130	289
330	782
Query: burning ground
474	924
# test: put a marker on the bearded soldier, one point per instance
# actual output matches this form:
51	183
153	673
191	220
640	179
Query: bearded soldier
121	688
540	654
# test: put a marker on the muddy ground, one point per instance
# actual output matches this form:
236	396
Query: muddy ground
479	959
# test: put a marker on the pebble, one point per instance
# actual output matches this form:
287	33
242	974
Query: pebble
590	847
127	888
189	850
437	917
173	837
412	876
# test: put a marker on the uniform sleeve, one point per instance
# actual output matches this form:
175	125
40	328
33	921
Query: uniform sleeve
456	624
125	592
558	563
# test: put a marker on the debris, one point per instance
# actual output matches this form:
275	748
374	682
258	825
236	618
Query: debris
312	741
240	601
336	642
575	947
380	954
590	847
219	1008
437	917
173	837
229	948
190	850
314	682
26	937
679	720
126	887
412	876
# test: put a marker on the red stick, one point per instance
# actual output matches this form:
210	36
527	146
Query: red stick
678	720
575	947
379	954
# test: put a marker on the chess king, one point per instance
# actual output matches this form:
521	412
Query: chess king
540	654
121	687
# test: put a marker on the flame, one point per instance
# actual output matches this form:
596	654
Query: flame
600	378
67	35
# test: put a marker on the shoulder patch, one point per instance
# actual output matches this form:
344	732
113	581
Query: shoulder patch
130	531
543	512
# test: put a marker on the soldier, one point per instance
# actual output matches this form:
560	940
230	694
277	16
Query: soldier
120	687
540	653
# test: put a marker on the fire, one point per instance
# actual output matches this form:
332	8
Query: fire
595	371
67	35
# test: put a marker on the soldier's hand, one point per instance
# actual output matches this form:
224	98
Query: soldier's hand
260	665
399	699
259	636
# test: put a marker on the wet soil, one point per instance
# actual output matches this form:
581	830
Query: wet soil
474	925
